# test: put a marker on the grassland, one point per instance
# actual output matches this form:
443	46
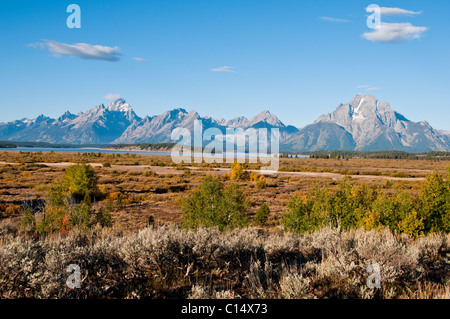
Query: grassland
151	185
153	257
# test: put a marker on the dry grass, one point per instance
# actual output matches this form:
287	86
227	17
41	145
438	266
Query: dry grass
166	262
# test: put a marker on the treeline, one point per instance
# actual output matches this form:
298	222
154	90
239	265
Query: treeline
7	144
373	155
144	146
353	206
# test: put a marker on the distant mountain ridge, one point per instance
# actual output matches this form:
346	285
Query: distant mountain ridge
117	123
364	124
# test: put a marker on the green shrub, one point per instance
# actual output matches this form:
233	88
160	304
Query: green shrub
150	220
149	173
435	199
103	218
80	215
79	181
69	202
350	204
261	184
52	219
297	217
28	219
212	204
262	214
411	225
354	206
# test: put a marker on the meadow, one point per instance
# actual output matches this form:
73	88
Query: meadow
141	226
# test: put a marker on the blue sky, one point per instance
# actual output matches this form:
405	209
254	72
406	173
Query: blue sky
299	59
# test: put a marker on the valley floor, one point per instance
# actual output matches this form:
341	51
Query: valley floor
151	185
146	254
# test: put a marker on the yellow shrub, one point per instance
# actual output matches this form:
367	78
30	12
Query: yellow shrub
412	225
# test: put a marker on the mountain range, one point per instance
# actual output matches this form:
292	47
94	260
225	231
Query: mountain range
364	123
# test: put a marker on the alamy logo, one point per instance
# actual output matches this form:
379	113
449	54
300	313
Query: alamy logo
240	145
74	280
74	20
374	20
374	279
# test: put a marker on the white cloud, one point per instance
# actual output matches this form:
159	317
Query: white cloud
394	33
398	12
223	69
368	88
112	96
81	50
37	45
334	20
140	60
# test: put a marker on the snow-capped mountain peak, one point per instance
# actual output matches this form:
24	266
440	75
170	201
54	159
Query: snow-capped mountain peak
119	105
374	125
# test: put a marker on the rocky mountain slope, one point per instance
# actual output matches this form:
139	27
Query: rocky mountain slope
364	123
367	124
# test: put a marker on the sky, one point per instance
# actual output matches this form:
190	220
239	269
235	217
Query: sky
297	58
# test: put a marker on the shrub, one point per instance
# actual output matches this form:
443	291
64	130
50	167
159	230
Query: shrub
297	216
354	206
150	220
79	181
350	204
69	202
411	225
212	204
28	219
435	199
262	214
7	210
294	286
238	172
167	262
52	219
261	183
150	174
103	218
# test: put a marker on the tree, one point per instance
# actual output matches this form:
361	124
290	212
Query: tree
296	218
435	196
262	214
79	181
212	204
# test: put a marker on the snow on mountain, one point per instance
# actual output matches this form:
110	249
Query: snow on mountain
98	125
158	129
373	125
364	123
